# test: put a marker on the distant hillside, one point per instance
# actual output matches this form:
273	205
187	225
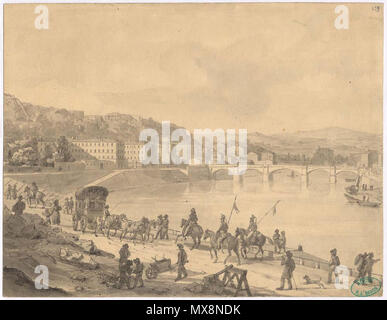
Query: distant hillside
24	119
343	141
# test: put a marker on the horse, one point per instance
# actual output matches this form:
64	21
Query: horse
194	231
231	242
137	228
113	221
258	240
38	198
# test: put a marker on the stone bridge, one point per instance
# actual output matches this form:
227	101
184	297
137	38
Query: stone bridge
267	171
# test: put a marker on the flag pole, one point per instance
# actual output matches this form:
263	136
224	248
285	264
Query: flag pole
232	209
267	212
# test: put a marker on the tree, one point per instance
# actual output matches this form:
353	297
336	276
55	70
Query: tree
323	156
63	153
46	158
24	156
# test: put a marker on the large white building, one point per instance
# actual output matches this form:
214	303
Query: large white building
99	153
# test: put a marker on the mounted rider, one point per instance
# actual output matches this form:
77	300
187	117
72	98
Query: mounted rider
192	220
221	234
252	228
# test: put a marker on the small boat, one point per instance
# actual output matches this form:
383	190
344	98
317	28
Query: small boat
371	204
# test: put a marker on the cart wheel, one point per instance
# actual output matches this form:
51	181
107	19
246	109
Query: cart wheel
151	273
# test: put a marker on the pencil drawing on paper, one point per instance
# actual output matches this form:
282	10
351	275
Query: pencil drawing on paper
193	150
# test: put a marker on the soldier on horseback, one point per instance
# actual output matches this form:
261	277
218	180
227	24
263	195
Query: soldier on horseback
192	219
252	229
222	231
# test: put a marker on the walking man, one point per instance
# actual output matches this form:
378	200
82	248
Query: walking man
287	273
181	261
333	263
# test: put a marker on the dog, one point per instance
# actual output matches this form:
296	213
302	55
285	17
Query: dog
308	280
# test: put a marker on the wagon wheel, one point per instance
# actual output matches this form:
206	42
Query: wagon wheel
151	272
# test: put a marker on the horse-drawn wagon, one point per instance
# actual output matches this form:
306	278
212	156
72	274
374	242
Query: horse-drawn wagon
89	206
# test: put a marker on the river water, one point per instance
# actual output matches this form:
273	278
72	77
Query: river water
318	218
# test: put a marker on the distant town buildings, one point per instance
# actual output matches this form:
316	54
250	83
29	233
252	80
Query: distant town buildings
369	159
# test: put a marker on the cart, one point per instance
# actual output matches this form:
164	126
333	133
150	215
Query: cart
89	206
157	267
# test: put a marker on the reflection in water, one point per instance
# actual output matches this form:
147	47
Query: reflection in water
319	218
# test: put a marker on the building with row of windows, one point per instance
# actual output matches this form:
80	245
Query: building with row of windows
99	153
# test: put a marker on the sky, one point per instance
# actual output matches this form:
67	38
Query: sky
264	67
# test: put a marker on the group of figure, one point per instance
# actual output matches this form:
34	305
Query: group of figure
365	262
69	205
129	269
52	215
11	193
162	224
279	241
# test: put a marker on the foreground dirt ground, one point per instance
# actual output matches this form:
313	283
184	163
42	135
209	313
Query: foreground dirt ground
30	246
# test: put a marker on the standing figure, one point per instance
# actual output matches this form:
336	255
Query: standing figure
14	192
34	190
333	263
47	215
222	231
124	254
66	205
276	241
370	261
9	192
181	261
138	271
19	206
55	212
27	193
125	271
165	227
360	261
159	224
71	205
282	241
287	273
106	213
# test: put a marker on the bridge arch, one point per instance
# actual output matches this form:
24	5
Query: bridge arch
346	171
319	169
216	173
